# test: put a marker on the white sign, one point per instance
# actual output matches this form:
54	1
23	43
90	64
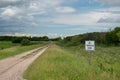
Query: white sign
90	45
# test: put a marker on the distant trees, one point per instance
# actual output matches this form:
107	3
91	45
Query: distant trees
25	42
99	37
112	37
6	38
108	38
55	39
75	40
117	31
16	39
118	34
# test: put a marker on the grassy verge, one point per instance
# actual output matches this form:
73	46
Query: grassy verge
17	50
54	64
105	61
58	64
6	44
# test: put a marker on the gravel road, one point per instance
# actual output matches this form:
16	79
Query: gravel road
13	68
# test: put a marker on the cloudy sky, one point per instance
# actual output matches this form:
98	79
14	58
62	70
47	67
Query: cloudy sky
58	17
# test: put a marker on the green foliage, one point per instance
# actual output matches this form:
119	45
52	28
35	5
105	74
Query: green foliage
6	44
117	31
99	37
75	40
118	34
56	39
102	38
25	42
17	40
54	64
112	37
105	61
80	39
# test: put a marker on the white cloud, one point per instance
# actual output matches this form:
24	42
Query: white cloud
65	9
55	12
10	11
110	2
33	24
113	17
89	18
31	7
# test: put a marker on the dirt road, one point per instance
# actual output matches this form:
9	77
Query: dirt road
12	68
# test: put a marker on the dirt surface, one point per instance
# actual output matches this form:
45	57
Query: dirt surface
12	68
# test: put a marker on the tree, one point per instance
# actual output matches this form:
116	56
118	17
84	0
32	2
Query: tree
76	40
112	38
16	40
25	42
118	34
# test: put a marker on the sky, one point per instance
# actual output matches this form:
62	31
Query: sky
55	18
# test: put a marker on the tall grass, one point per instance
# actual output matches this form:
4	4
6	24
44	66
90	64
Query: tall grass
105	61
72	64
54	64
6	44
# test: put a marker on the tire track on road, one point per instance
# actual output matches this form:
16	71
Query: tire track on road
15	71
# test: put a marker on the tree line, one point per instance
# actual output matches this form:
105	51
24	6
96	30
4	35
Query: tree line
112	37
24	40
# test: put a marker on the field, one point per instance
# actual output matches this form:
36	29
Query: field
10	49
6	44
105	61
71	63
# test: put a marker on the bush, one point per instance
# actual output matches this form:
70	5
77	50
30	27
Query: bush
25	42
16	40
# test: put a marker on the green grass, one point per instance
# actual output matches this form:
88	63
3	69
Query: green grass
54	64
14	50
6	44
71	63
105	61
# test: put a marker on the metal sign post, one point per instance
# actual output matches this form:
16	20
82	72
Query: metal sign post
90	46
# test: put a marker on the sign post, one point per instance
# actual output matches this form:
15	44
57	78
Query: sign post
90	46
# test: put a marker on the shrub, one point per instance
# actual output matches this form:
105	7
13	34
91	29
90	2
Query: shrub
25	42
16	40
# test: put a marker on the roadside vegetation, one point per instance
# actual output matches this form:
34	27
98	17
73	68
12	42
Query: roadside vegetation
69	60
110	38
71	63
54	64
105	61
13	45
11	49
6	44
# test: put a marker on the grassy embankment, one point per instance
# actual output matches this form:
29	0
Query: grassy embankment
6	44
105	62
9	49
72	64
